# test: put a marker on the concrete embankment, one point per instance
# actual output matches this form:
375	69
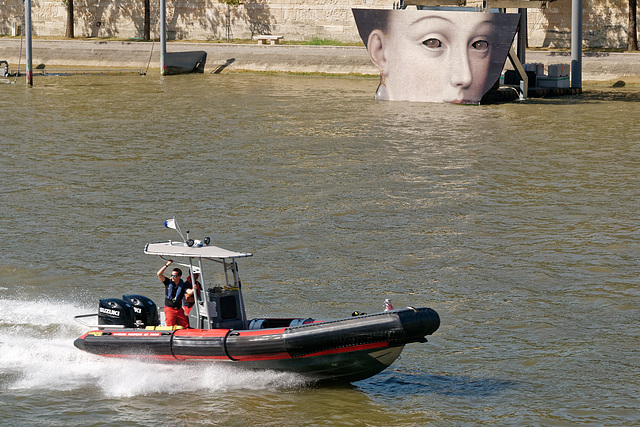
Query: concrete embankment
254	57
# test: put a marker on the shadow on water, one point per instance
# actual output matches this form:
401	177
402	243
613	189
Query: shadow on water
400	384
620	95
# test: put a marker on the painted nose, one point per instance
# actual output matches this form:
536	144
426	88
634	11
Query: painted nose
460	69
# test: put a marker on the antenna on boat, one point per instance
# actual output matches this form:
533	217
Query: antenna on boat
172	223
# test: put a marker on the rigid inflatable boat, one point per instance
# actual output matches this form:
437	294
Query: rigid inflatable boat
347	349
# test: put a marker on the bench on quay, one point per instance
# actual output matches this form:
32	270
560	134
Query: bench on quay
269	38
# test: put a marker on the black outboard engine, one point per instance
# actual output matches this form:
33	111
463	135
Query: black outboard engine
114	311
145	311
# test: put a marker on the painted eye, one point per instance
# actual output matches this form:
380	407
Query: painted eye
480	45
432	43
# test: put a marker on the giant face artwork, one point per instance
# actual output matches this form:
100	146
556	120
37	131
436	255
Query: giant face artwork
436	56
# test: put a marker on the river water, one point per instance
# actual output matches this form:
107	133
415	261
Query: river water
519	223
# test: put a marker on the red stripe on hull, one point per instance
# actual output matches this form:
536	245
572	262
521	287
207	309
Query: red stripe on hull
137	334
202	358
259	357
205	333
163	357
349	349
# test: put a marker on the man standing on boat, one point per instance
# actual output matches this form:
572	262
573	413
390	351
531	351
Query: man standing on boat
175	289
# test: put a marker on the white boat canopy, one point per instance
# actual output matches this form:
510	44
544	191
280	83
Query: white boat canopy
181	249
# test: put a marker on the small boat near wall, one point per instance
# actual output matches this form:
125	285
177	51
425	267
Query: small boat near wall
185	62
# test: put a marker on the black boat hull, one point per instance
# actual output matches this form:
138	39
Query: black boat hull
349	349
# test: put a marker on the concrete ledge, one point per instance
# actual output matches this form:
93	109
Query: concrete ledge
278	58
235	57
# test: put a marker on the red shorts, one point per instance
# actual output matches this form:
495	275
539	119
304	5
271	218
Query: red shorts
175	316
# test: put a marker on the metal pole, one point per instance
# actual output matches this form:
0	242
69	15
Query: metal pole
576	43
202	294
163	36
522	36
236	280
27	32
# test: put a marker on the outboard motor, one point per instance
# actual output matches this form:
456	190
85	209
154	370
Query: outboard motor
145	311
114	311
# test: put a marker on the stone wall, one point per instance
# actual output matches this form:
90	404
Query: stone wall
604	24
604	21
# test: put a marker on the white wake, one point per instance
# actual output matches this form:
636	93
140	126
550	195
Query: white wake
37	352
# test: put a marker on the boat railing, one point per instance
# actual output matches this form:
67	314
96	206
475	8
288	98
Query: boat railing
79	318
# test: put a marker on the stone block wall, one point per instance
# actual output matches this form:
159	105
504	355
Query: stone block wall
604	21
604	24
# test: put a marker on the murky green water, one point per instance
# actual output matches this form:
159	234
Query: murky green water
518	223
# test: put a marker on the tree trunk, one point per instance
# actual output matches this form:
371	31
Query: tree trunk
147	20
632	31
69	33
